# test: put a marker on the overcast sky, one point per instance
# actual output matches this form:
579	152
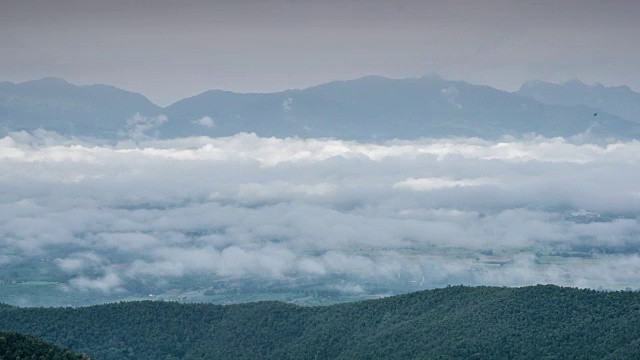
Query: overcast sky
168	50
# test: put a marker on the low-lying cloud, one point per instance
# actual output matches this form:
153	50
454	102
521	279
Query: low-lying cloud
141	127
435	211
205	121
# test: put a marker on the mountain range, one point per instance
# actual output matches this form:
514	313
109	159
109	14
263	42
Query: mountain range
56	105
367	108
617	100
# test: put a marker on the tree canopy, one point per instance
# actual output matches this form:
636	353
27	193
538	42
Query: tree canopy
537	322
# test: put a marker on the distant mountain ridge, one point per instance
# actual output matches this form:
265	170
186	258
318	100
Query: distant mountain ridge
534	322
375	107
367	108
54	104
617	100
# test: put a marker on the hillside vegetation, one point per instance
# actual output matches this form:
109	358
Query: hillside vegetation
537	322
15	346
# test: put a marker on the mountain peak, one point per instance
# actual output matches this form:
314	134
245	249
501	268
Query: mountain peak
534	83
47	81
432	76
575	82
46	84
55	104
624	88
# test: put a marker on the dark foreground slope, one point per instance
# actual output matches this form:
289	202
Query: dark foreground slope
15	346
458	322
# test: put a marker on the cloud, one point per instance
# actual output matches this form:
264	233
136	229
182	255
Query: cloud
205	121
6	259
141	127
79	261
460	210
451	93
107	283
287	105
427	184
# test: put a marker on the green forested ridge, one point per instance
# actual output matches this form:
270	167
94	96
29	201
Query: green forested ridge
15	346
457	322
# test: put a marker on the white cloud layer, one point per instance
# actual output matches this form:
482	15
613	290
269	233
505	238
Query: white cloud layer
441	210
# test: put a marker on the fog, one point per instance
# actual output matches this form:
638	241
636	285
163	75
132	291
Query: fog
145	209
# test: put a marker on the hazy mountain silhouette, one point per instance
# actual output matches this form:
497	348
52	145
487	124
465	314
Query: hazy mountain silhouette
371	107
54	104
377	107
617	100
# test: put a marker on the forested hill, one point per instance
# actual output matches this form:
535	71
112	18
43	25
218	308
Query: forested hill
456	322
15	346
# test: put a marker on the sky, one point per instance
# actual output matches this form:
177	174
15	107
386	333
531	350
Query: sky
168	50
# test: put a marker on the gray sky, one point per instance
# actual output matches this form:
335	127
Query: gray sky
168	50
